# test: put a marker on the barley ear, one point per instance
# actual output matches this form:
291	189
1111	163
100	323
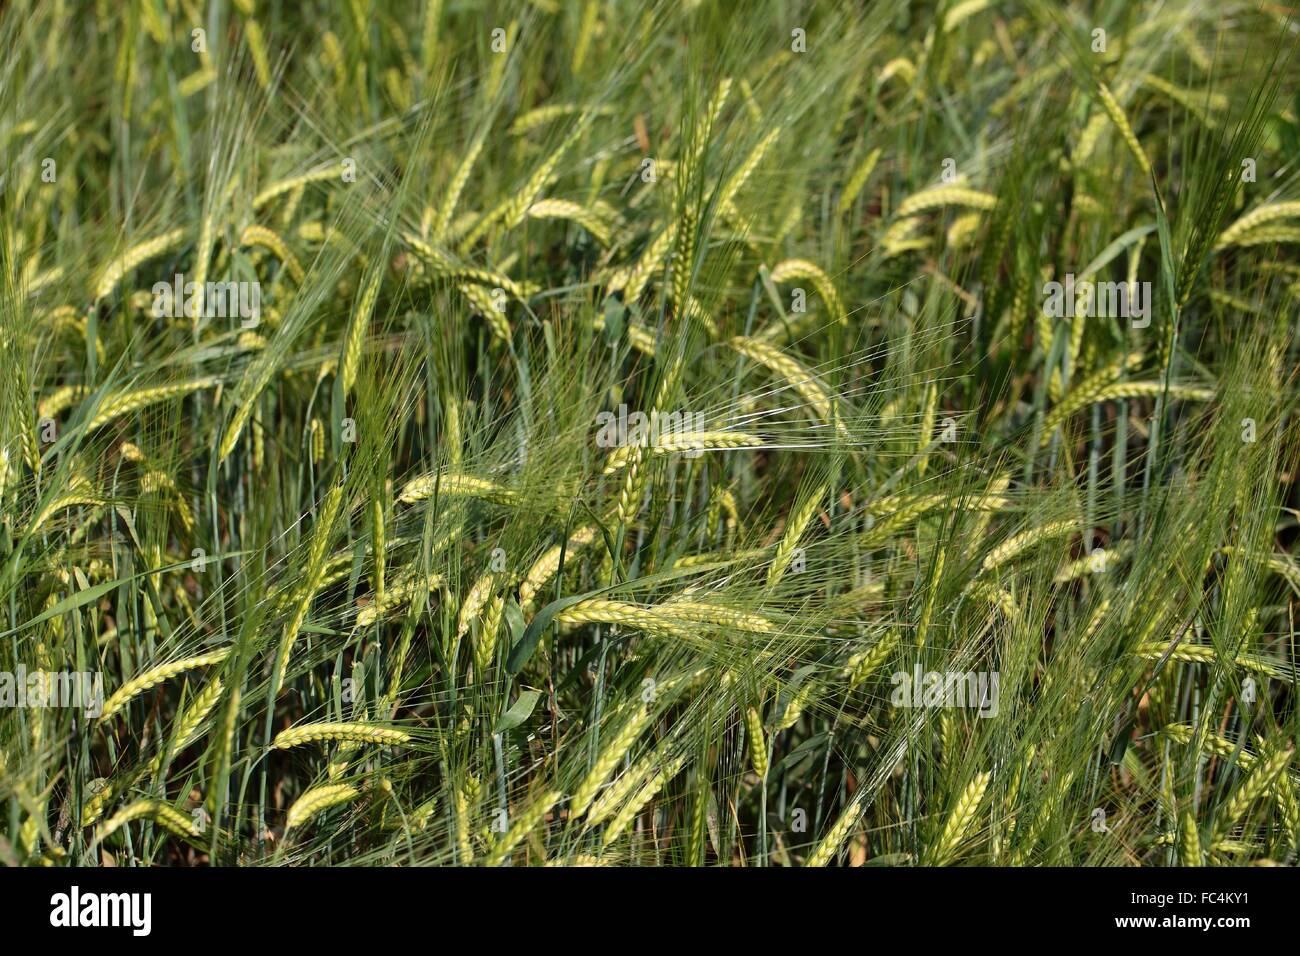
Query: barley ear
960	820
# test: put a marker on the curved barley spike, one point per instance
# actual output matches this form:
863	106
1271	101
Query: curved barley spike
721	500
142	252
202	256
899	238
757	741
609	799
829	846
1289	806
378	543
456	486
60	400
674	443
1083	397
796	525
1088	138
527	821
1256	217
544	568
457	185
356	732
443	265
490	279
452	437
960	819
1257	784
517	206
485	643
547	114
697	611
938	196
333	171
124	402
995	489
257	48
594	219
1270	235
958	13
511	211
222	753
1188	653
430	255
317	800
637	803
161	813
899	511
931	595
42	279
695	311
188	724
1116	114
682	262
634	281
355	337
98	800
154	676
803	269
399	595
256	235
801	379
598	611
1018	544
313	579
865	663
853	186
477	598
1190	843
488	307
928	413
900	67
1184	734
1196	101
577	860
464	847
79	492
795	705
608	760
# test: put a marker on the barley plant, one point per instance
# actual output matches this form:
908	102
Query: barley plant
649	432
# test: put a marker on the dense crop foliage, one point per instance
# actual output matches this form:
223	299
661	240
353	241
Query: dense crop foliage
663	433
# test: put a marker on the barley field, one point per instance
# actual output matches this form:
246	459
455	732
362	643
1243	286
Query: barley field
656	433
